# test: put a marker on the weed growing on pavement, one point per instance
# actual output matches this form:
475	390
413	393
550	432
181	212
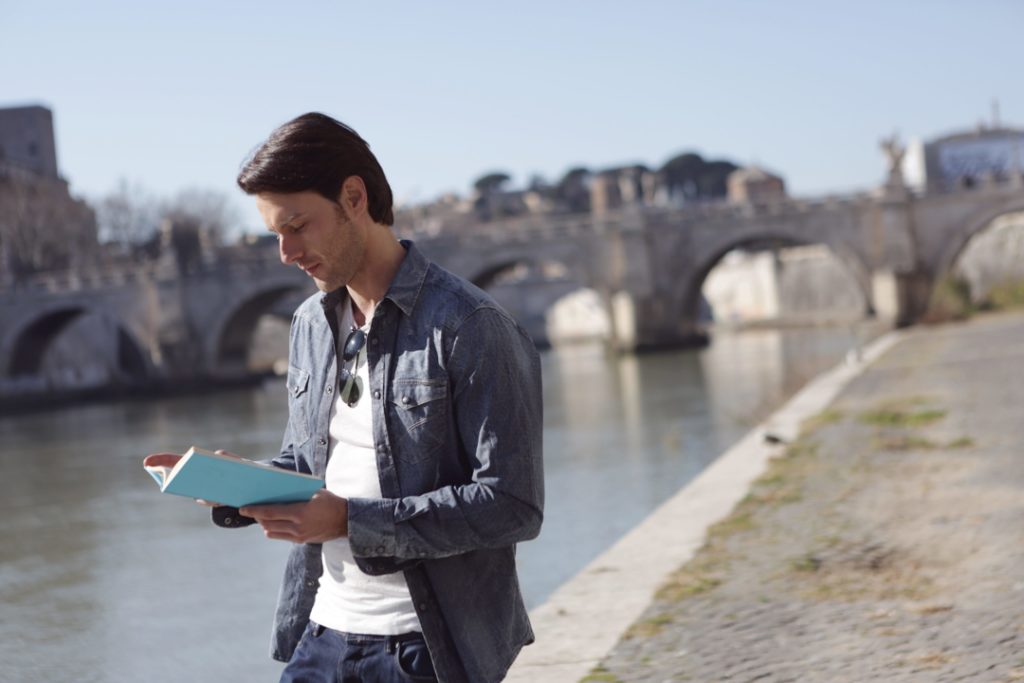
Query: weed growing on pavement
950	300
826	417
686	583
647	628
907	442
809	562
931	660
733	524
904	442
599	674
852	572
1005	295
891	416
779	485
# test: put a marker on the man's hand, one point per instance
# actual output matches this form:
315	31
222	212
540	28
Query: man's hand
161	460
169	460
323	518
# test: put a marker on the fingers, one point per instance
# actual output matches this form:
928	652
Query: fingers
281	531
261	513
161	460
221	451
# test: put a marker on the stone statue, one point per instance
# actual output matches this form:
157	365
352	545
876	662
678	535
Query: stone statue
894	153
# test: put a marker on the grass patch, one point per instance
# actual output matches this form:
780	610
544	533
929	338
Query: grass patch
807	563
860	571
733	524
782	483
826	417
904	442
851	587
599	674
908	442
1005	295
648	627
932	660
950	300
901	417
686	583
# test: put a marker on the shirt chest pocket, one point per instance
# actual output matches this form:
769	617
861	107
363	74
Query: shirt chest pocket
298	403
418	409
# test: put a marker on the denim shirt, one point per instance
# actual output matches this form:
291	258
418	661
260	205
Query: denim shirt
457	421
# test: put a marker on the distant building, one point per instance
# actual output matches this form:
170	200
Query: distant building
754	184
965	159
614	188
43	226
27	140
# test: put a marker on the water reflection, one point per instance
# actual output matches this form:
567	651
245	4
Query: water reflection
101	579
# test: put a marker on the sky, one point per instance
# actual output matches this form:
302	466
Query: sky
172	96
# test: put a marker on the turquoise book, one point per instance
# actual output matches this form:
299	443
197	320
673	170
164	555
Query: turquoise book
233	481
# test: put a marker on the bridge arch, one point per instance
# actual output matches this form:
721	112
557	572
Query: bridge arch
689	297
486	277
554	300
229	343
563	265
971	228
25	347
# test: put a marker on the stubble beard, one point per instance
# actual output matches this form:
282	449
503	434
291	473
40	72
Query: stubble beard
346	260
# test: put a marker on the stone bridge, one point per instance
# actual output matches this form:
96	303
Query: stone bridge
646	264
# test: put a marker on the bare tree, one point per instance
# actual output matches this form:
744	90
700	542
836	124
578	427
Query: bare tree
212	214
41	226
128	216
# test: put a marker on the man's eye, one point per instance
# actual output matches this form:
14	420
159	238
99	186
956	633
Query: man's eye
298	228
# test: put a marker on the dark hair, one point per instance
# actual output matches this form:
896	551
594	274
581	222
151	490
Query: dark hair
315	152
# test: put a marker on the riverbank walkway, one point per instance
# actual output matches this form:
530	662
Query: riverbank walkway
882	541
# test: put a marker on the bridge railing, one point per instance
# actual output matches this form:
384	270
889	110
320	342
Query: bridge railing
553	226
228	261
77	280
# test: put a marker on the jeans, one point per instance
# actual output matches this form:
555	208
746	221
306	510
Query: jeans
328	656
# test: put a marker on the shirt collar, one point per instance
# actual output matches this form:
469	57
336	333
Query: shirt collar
408	281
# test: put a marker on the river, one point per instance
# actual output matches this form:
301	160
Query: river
102	579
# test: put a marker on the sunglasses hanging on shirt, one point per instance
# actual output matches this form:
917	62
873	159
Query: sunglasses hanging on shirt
349	385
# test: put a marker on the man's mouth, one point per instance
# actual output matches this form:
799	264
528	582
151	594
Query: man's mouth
311	269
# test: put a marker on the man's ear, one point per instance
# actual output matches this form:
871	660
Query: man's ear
353	195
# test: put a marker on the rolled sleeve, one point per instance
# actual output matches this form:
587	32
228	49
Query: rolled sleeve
371	527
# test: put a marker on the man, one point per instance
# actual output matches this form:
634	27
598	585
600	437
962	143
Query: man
419	401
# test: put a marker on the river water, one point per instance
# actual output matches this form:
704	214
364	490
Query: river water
102	579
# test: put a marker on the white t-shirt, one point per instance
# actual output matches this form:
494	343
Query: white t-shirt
349	600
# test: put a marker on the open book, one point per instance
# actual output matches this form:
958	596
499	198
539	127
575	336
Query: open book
233	481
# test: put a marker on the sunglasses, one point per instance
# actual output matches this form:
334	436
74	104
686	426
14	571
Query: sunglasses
347	381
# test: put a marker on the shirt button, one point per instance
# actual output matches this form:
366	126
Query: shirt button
405	401
380	550
376	394
422	607
311	583
373	341
330	389
323	441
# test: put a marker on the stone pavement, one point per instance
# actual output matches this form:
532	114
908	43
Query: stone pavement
885	544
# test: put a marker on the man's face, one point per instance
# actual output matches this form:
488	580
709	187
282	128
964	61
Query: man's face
314	234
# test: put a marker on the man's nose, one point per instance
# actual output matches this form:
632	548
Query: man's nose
288	248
